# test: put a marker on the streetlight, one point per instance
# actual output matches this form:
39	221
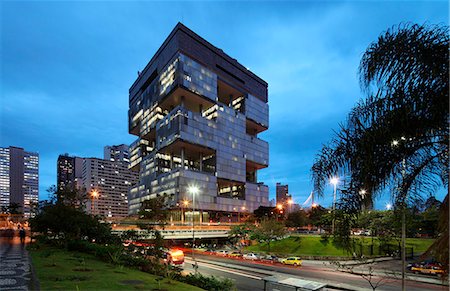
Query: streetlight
290	202
388	206
194	191
404	197
94	195
334	181
280	210
184	204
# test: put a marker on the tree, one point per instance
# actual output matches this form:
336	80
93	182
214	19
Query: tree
265	212
64	223
398	136
297	219
240	231
69	195
320	217
268	230
13	208
155	210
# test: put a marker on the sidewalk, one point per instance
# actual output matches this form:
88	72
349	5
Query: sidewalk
15	268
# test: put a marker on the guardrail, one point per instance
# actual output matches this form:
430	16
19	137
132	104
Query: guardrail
180	234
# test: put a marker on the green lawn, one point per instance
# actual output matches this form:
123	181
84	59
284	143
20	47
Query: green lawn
62	270
308	245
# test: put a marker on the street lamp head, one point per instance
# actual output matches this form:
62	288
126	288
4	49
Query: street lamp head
334	181
290	201
363	193
94	194
185	202
314	205
395	143
243	208
279	206
193	190
388	206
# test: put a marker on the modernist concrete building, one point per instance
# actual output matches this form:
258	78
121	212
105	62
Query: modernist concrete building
19	178
197	114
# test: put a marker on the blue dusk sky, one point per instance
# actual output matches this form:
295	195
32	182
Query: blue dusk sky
66	68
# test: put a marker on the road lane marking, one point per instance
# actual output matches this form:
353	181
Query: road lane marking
232	271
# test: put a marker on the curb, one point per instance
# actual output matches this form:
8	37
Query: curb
34	282
397	276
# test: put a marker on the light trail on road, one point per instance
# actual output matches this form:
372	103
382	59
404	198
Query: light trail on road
249	275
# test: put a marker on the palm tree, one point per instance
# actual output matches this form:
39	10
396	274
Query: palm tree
397	137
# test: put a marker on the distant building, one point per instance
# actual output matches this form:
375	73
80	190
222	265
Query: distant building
116	153
69	172
107	184
282	194
197	114
19	178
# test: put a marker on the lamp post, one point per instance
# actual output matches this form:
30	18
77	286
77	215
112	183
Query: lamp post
404	197
334	181
94	195
280	210
194	191
290	202
184	205
243	209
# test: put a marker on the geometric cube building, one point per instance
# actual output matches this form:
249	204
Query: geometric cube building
197	114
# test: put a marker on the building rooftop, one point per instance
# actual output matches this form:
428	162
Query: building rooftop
176	37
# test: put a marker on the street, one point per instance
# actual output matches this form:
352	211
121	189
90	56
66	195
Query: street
249	276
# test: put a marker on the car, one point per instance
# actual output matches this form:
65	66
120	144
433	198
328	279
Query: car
430	269
270	259
235	254
294	261
251	256
222	253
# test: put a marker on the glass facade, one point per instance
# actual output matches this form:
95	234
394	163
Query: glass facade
195	126
22	187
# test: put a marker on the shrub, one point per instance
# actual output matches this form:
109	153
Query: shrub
208	283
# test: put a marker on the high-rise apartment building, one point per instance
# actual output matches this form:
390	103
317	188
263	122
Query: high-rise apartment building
283	196
197	113
19	178
116	153
69	172
107	184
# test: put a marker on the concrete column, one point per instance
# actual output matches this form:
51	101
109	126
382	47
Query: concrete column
182	100
200	108
231	100
201	162
171	161
201	216
182	158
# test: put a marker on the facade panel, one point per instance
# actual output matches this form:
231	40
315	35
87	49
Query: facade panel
197	121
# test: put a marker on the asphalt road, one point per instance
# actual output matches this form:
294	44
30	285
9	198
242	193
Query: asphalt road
249	276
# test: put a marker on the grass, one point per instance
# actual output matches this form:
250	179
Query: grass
301	245
62	270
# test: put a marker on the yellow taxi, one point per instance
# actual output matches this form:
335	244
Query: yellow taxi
235	254
294	261
431	270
